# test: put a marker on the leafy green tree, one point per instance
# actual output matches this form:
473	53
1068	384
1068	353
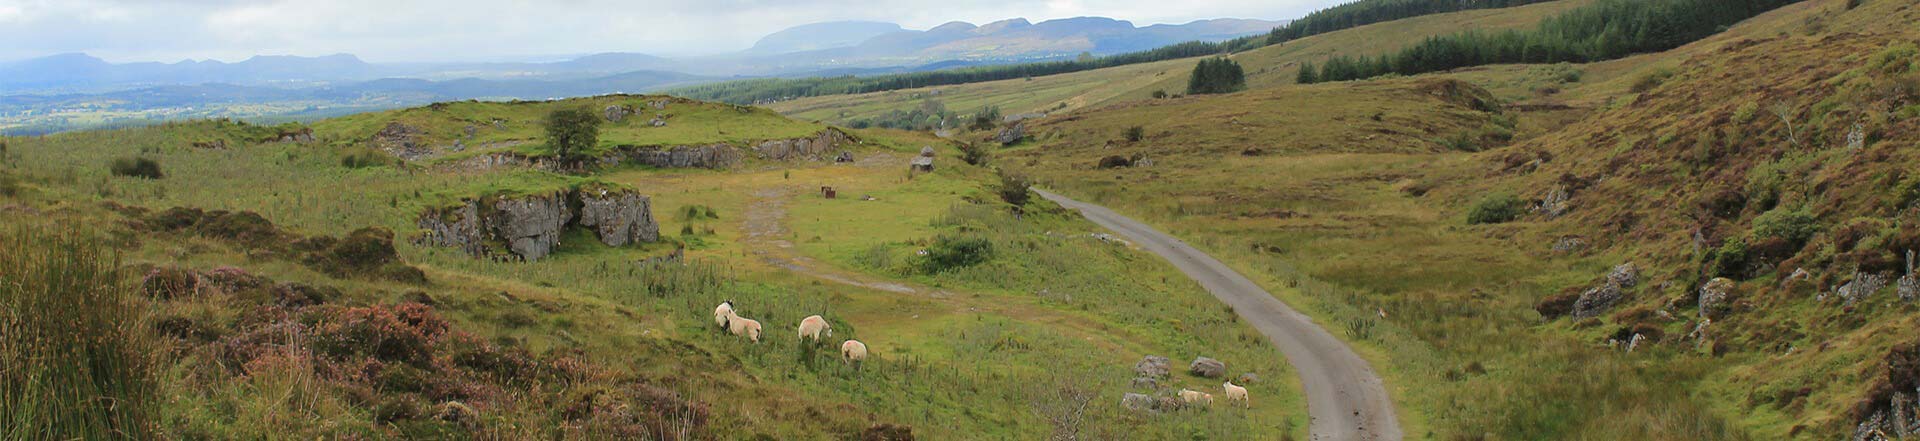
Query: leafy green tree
572	133
1216	75
1307	74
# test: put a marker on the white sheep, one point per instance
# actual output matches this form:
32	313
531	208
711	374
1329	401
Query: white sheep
744	326
815	327
853	351
722	312
1196	397
1236	393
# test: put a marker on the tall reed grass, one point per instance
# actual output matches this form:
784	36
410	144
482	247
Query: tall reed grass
73	363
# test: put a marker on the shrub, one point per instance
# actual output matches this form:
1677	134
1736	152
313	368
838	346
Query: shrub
951	252
572	133
1013	189
973	154
1794	226
403	333
1907	192
1159	94
71	342
1729	260
1216	75
9	186
136	168
1495	209
1135	134
362	158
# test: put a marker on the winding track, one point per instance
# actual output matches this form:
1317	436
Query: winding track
1344	398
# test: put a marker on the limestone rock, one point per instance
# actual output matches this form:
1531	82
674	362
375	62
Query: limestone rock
619	217
1207	367
1011	134
1138	402
1596	300
1715	297
401	140
717	156
615	113
531	225
814	148
1153	366
1625	275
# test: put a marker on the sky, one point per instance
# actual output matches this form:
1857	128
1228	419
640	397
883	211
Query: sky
495	30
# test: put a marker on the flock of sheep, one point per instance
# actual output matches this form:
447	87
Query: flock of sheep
1235	394
813	327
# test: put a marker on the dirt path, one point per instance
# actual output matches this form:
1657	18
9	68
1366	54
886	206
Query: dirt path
1345	399
766	238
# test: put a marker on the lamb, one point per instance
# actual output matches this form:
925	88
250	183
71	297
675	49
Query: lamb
853	351
1236	393
722	312
815	327
744	326
1196	397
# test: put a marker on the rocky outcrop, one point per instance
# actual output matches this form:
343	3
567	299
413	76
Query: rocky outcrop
1153	366
303	135
716	156
1599	299
1207	367
529	227
402	141
1011	134
1715	296
619	217
615	113
818	147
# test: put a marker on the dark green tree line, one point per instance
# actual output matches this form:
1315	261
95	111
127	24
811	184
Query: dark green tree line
1216	75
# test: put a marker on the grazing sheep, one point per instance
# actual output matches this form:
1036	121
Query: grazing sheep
722	312
853	351
744	326
1236	393
815	327
1196	397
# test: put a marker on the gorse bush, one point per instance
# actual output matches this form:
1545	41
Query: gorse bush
136	168
1793	226
973	154
73	361
1496	209
1014	189
1135	134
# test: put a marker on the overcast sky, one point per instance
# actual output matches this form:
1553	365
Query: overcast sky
462	30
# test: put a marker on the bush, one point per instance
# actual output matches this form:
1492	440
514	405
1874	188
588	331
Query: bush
1794	226
1135	134
404	333
1013	189
1159	94
950	252
572	133
136	168
362	158
74	360
1216	75
973	154
1907	192
1729	260
1496	209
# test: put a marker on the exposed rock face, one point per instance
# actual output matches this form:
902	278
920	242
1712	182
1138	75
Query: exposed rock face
815	148
1207	367
402	141
303	135
715	156
530	226
1625	275
620	217
1011	134
1153	366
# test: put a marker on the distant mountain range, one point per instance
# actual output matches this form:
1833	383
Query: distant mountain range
72	82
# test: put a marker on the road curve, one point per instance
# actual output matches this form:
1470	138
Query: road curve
1344	398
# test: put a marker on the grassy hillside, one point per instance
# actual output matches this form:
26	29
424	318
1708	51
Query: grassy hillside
1266	66
1035	334
1666	160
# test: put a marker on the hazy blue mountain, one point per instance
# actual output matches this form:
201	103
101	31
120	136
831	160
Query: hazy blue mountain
817	36
81	72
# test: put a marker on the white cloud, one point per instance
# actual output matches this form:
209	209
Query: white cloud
447	30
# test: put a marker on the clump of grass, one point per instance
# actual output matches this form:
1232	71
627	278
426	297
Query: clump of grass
1651	80
71	342
954	252
1495	209
136	168
362	157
